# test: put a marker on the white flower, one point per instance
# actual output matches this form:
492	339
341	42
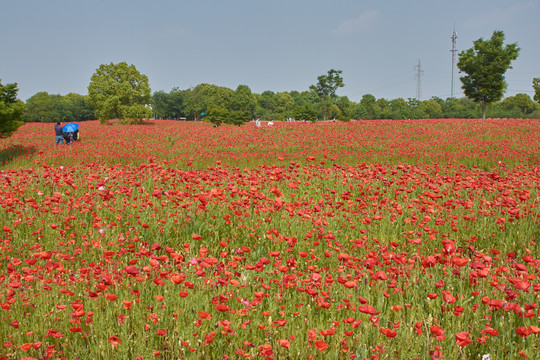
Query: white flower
486	357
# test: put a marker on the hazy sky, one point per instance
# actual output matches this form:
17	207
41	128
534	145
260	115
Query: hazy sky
56	45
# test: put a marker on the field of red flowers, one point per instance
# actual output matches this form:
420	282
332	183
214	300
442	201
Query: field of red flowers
177	240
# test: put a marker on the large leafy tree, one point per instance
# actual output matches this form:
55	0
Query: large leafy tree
304	112
11	109
283	105
399	108
520	102
41	107
485	65
367	108
243	99
326	87
120	91
204	97
169	105
77	108
536	86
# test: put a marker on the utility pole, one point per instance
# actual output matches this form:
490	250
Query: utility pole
418	76
453	51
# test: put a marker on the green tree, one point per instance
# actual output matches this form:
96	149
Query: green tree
160	104
384	108
334	112
218	115
326	87
346	106
39	108
120	91
415	110
266	101
536	87
485	65
204	97
521	102
238	117
243	100
11	109
283	105
45	107
304	112
76	108
431	108
399	109
367	108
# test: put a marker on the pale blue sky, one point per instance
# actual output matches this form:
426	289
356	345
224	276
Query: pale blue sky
56	45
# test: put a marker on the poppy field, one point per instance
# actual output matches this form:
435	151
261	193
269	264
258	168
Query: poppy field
360	240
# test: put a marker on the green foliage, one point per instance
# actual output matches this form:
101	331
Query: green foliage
77	108
522	102
326	87
45	107
41	107
169	105
266	100
218	115
11	109
399	109
283	104
243	100
536	87
384	108
463	108
431	108
485	65
120	91
160	104
238	117
204	97
367	108
334	112
345	106
304	112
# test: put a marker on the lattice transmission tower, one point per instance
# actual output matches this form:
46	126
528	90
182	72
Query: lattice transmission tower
418	76
453	51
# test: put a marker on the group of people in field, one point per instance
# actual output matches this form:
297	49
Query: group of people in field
68	137
271	122
258	123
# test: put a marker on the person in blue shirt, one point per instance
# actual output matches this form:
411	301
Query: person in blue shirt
59	133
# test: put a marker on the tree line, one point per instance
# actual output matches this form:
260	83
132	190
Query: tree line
241	104
121	91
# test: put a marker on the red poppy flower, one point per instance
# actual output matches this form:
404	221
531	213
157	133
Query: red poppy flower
111	297
205	315
388	332
115	340
321	345
368	309
221	307
284	343
462	338
438	332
